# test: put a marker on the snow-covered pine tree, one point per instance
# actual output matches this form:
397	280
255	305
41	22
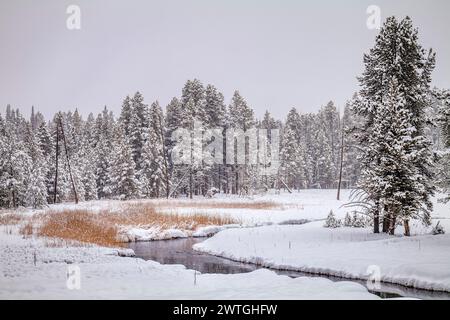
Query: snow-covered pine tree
103	160
332	221
126	114
172	122
193	114
139	124
123	184
241	116
348	220
89	179
154	179
103	150
194	90
320	154
215	118
396	64
403	188
215	110
307	130
15	163
293	152
88	171
350	126
265	162
36	186
89	131
443	121
331	122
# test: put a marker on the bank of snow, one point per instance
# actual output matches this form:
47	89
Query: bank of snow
29	270
135	234
420	261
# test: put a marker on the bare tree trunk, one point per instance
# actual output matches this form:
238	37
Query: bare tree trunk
236	181
386	220
392	222
376	218
191	181
56	168
406	226
68	161
13	199
166	162
341	164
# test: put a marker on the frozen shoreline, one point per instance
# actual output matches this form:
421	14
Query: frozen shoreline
30	270
420	262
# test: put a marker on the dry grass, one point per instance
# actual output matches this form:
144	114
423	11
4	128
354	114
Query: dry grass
102	228
256	205
10	218
78	225
27	229
63	243
145	214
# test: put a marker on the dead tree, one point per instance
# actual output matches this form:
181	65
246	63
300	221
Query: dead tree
341	163
58	126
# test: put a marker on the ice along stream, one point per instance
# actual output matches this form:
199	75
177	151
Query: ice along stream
179	251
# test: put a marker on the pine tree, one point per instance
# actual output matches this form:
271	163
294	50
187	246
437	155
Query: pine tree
332	221
397	77
154	175
193	96
241	117
123	184
103	151
15	166
350	126
443	120
293	152
139	124
125	115
215	110
36	187
266	159
348	220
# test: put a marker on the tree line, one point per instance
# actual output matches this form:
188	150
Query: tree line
388	144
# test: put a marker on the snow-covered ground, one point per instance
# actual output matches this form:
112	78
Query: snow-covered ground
269	237
421	261
30	270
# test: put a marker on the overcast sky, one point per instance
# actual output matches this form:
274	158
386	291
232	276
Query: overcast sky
279	54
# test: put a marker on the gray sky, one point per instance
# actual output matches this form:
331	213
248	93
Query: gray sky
279	54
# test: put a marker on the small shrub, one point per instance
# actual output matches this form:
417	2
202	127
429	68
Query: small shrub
332	221
348	221
358	221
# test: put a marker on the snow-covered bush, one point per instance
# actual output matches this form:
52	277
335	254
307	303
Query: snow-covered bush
212	192
358	221
438	229
348	222
332	221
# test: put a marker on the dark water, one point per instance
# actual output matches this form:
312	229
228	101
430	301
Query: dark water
179	251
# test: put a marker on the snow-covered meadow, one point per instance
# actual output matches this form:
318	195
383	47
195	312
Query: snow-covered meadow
289	236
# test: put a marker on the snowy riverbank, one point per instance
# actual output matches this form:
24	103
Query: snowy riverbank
420	262
30	270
